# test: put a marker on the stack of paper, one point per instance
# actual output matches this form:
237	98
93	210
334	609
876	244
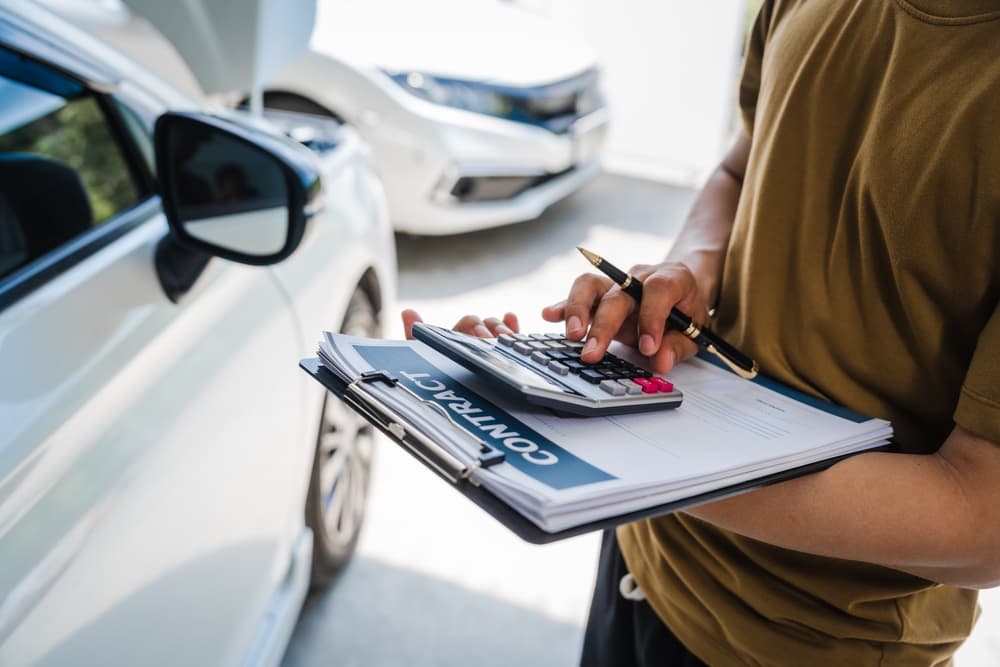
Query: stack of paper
561	472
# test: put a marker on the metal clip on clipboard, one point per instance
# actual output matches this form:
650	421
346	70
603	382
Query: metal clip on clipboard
443	461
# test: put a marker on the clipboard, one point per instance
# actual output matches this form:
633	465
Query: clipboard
456	474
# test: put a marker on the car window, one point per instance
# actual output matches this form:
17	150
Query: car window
139	130
62	169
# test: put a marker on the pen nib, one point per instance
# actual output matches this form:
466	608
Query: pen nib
593	258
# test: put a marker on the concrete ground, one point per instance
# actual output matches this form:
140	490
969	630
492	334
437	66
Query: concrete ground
436	581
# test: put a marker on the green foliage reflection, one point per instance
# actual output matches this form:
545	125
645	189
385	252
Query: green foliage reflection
77	134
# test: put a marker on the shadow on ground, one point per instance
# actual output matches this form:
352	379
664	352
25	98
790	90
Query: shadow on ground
433	267
413	613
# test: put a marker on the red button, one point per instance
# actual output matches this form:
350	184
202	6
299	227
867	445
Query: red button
663	385
650	388
642	382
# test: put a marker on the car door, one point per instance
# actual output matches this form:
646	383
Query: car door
144	467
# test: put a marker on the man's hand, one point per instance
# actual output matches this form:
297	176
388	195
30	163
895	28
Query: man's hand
490	327
688	280
595	302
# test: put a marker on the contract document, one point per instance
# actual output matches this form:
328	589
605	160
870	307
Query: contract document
562	471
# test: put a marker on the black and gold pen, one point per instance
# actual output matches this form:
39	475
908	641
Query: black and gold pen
738	362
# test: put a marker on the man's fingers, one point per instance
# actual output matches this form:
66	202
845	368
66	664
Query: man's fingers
555	313
661	291
472	325
410	317
612	311
675	348
587	290
497	326
491	327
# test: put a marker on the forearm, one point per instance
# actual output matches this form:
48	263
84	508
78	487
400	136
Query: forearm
704	238
911	513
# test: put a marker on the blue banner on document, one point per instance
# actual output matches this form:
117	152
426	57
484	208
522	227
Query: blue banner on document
525	449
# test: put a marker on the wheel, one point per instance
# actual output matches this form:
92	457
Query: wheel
338	486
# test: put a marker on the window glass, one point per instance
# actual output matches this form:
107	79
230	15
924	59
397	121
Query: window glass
62	172
140	132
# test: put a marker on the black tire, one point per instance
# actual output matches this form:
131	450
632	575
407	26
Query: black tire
338	485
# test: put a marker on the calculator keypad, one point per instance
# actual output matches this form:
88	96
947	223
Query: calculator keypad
561	356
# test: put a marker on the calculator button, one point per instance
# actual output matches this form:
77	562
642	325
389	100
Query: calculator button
648	386
506	340
557	354
537	344
663	385
537	336
555	345
612	387
575	344
630	387
555	336
558	368
523	348
573	364
540	357
521	336
592	376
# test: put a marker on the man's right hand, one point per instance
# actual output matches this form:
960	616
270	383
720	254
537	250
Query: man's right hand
596	302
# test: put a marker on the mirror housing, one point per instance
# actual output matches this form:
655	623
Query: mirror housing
234	190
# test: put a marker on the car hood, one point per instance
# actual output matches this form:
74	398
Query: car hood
463	39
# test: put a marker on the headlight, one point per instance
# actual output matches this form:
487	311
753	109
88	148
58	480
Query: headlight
467	95
555	106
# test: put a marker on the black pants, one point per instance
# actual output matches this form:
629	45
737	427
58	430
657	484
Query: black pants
624	632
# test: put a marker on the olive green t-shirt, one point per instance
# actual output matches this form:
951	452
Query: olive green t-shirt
863	267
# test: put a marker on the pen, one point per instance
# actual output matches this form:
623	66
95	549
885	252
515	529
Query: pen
738	362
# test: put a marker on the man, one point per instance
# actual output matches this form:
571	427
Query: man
850	242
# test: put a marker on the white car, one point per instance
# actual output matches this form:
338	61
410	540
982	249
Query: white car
479	114
170	481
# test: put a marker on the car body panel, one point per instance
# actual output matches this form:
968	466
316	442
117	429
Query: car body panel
419	148
127	511
155	457
422	37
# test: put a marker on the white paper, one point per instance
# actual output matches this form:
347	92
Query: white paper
572	470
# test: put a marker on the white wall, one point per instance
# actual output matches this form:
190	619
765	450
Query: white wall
670	72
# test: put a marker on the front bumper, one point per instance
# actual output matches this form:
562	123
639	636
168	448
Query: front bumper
456	171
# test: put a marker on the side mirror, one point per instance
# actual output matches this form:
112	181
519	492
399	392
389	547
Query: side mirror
234	190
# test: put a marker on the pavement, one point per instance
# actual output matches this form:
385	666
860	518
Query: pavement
436	581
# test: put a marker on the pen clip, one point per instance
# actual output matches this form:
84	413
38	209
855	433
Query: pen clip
742	372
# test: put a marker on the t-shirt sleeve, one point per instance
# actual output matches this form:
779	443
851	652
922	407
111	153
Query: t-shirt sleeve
978	408
771	12
752	63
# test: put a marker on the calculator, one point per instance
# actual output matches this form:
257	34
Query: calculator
545	369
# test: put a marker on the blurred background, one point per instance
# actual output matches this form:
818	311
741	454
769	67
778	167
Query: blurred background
505	134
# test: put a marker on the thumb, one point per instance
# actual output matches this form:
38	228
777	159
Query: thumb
674	348
410	317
